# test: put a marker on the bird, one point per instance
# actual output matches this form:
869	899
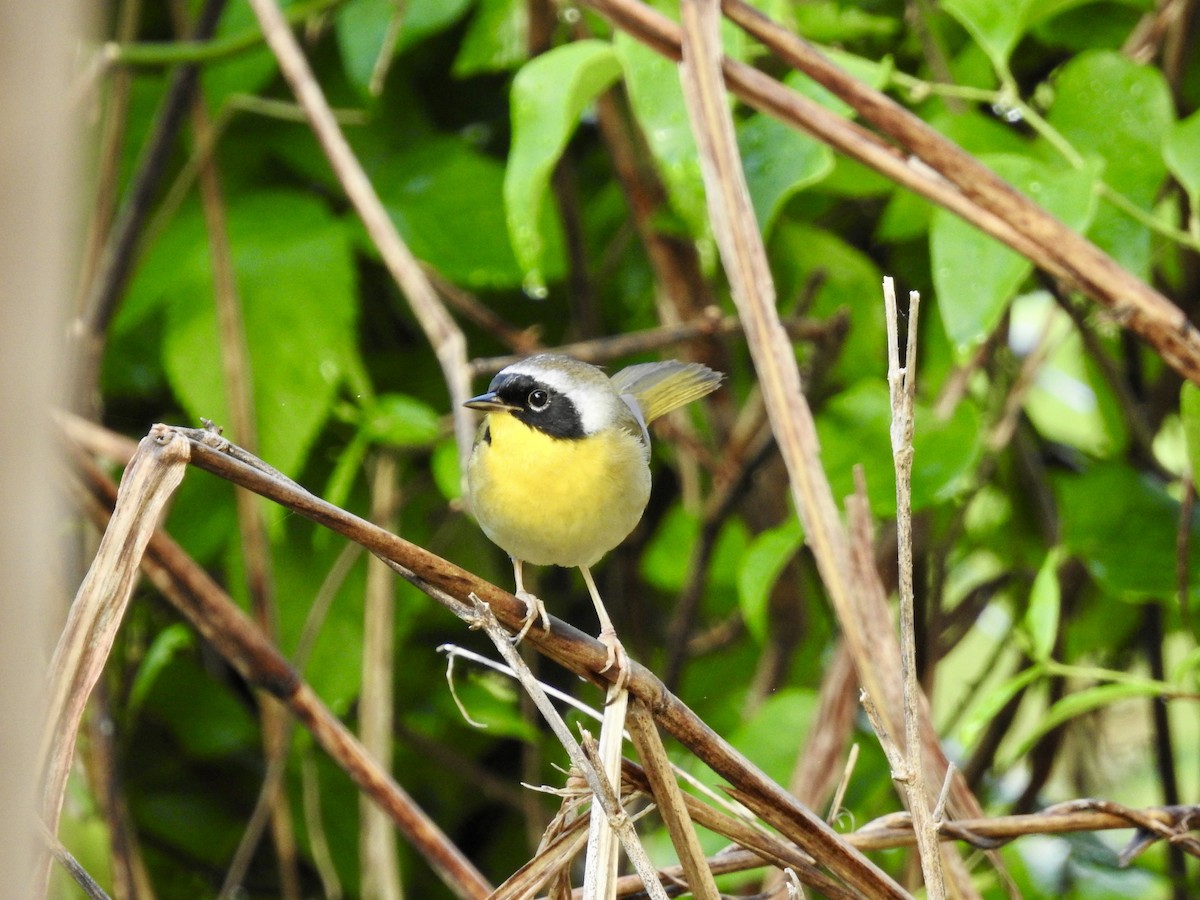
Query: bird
560	470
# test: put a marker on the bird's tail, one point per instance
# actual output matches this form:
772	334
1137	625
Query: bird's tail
660	387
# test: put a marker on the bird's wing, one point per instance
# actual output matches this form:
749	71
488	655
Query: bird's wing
659	387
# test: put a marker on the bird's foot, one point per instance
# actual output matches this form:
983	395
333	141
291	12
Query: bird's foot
617	658
534	609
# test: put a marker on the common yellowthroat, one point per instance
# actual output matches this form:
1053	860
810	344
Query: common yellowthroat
560	472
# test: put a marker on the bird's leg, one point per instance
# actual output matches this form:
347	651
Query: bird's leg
608	635
534	608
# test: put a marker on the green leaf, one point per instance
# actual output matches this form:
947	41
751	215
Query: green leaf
995	25
549	94
212	723
761	565
778	161
975	276
664	563
1189	412
397	420
447	200
994	701
1123	525
491	700
496	40
1068	401
446	471
166	645
1045	601
1182	154
364	25
295	277
769	736
1112	108
827	22
849	283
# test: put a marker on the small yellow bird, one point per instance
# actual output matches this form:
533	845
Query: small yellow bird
560	472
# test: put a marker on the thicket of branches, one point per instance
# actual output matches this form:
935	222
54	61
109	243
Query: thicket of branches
323	226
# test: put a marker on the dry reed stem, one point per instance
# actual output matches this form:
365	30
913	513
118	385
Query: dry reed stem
600	867
902	388
670	801
378	861
745	262
95	616
243	644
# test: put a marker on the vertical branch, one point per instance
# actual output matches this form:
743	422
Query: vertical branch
902	388
745	261
38	183
377	845
600	870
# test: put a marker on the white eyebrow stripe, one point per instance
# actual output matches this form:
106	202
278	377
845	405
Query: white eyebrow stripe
591	401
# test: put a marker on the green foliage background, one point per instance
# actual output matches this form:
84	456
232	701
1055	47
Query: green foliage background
1048	563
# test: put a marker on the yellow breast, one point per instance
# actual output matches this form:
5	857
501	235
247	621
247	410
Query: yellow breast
553	501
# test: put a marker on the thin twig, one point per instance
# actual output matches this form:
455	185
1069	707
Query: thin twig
902	387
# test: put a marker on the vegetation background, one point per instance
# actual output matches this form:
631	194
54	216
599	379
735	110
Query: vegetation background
541	167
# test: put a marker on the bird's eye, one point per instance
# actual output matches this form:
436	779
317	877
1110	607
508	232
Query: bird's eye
538	400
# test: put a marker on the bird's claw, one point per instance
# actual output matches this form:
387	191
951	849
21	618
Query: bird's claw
617	658
534	609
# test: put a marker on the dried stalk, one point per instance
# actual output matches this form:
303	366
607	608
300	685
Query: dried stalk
600	866
377	845
671	804
87	638
902	387
248	650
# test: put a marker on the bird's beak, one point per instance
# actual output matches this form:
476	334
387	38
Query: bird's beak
489	402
